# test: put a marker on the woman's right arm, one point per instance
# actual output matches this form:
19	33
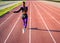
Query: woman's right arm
18	10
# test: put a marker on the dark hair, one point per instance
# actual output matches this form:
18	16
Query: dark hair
23	2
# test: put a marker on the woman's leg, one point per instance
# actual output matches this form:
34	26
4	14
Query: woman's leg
26	20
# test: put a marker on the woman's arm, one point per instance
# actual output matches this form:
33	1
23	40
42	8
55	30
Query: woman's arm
18	10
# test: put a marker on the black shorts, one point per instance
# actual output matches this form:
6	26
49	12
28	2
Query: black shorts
24	16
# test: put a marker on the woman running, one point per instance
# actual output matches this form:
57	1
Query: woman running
24	16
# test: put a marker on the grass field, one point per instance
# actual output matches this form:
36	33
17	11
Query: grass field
3	11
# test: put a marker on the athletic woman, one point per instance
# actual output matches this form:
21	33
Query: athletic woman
24	15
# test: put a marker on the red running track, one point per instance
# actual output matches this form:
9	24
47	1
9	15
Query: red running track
43	20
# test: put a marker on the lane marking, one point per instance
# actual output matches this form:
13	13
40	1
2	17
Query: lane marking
45	24
50	15
51	9
6	19
12	28
30	25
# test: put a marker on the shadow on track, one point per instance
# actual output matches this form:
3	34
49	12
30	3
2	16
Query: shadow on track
45	30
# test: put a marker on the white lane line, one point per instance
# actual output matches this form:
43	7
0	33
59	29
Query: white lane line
45	24
51	9
30	25
49	14
12	29
6	20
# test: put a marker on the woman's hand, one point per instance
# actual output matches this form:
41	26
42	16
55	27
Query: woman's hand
15	12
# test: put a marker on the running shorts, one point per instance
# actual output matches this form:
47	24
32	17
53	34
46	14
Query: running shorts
24	16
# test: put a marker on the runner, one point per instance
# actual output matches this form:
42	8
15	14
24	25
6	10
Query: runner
24	16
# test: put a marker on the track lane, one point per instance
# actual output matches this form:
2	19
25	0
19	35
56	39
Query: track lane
54	14
7	24
52	25
36	22
40	36
56	9
5	29
6	16
56	27
17	36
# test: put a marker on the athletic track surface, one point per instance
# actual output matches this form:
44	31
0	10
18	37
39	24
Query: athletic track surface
43	25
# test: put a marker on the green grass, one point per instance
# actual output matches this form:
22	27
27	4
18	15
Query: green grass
3	11
56	1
